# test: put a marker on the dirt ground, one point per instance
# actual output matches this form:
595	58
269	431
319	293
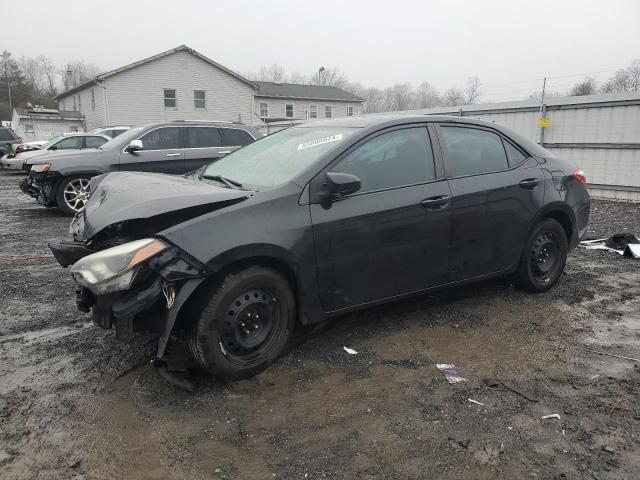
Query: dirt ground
76	403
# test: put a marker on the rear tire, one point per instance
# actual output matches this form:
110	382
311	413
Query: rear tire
73	194
543	258
245	324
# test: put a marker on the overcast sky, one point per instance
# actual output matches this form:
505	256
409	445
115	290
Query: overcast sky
377	43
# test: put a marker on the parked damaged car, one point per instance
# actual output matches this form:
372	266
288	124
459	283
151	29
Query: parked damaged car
171	147
312	222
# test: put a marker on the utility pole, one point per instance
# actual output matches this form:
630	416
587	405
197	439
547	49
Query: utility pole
543	111
6	56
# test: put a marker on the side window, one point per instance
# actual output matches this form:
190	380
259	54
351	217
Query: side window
394	159
71	143
235	137
515	156
94	142
471	151
161	139
169	98
202	137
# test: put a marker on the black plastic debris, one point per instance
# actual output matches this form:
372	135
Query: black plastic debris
625	244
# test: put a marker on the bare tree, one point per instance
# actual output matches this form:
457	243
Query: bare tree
473	91
426	96
50	73
588	86
296	77
625	79
32	71
453	97
273	73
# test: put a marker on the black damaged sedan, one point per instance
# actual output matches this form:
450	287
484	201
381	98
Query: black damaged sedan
315	221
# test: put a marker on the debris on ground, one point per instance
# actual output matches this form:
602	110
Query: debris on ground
475	401
450	373
519	391
552	415
350	351
625	244
612	355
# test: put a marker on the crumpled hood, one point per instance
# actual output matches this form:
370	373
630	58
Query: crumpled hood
120	196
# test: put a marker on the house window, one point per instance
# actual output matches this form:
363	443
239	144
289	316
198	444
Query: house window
93	99
73	128
313	111
288	110
28	128
264	110
199	99
349	110
79	103
74	103
169	98
327	111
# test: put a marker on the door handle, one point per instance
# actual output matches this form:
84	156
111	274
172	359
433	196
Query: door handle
224	152
435	203
173	154
530	183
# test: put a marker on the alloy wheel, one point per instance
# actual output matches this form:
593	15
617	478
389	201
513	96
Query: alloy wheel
76	194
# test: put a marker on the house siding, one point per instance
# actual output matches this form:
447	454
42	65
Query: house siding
300	108
43	129
136	96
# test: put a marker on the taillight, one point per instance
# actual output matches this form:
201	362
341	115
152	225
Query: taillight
580	176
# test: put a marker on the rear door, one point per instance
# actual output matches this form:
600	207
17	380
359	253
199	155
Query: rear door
203	145
161	152
496	193
93	141
234	138
392	236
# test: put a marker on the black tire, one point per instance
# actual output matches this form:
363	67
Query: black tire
543	257
64	195
245	324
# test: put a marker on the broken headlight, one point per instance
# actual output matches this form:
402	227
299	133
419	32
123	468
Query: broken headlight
44	167
114	269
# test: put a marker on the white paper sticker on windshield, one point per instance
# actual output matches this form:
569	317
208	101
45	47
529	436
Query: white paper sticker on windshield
320	141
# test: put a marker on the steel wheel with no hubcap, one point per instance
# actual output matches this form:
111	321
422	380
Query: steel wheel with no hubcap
544	256
247	330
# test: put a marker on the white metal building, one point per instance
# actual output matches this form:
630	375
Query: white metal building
600	133
184	84
43	123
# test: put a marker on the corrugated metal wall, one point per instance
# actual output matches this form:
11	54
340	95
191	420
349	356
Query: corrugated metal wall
600	133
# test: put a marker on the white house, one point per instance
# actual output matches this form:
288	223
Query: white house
43	123
184	84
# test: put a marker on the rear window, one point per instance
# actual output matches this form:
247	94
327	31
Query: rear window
202	137
235	137
6	134
472	151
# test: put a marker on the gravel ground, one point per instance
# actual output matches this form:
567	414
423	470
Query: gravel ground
76	403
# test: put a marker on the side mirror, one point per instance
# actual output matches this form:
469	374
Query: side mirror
53	147
340	184
134	146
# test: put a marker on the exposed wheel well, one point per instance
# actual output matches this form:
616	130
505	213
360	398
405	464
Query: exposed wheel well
202	293
563	219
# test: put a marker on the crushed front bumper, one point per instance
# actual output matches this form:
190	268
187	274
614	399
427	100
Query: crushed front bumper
41	186
153	301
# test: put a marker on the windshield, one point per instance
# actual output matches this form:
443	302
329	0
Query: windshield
277	158
122	139
50	142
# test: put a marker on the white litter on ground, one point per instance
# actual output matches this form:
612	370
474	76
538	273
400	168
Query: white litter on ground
350	351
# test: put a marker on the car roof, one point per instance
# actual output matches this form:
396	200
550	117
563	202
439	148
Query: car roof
83	134
375	120
220	123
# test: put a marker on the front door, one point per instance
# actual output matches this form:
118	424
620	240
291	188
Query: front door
392	236
496	193
161	153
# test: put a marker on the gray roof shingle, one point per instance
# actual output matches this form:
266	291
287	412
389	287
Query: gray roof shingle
307	92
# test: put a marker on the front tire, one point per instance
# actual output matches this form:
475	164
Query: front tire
245	325
73	194
544	257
